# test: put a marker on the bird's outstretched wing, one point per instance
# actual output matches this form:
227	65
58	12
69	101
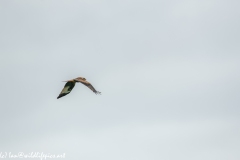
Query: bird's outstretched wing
86	83
67	89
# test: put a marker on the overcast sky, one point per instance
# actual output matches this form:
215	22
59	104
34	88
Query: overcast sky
168	71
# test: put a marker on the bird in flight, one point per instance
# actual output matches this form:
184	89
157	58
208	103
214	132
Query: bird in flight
71	83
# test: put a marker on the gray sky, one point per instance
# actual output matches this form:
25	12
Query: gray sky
168	72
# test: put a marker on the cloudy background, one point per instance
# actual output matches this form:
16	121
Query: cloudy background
168	72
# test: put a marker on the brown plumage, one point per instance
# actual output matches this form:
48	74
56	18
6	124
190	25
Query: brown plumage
71	83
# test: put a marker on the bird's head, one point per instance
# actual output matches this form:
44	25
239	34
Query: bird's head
68	80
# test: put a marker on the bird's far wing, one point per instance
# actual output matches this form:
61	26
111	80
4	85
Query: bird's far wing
86	83
67	89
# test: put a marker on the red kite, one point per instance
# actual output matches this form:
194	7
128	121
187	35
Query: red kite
71	83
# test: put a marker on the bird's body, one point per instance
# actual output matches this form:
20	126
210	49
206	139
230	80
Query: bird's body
71	83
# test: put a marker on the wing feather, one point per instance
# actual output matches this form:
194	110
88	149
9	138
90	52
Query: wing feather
66	89
86	83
